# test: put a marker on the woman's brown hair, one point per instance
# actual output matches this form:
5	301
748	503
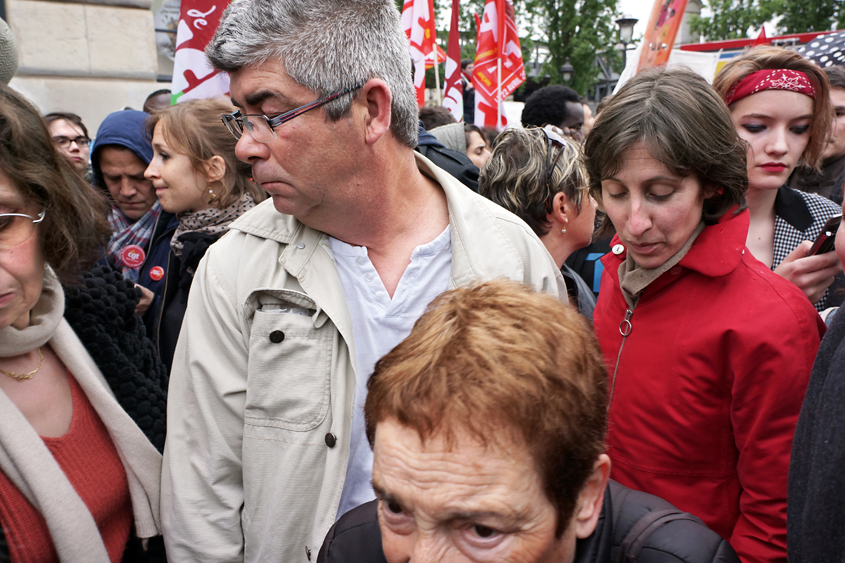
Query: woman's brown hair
764	57
193	128
75	227
684	124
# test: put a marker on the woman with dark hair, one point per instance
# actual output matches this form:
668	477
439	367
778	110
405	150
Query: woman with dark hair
82	397
197	177
780	106
708	351
539	177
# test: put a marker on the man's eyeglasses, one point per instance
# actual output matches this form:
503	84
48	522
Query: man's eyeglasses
263	128
64	142
16	228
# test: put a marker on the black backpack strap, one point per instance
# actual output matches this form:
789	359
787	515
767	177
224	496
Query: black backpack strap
639	534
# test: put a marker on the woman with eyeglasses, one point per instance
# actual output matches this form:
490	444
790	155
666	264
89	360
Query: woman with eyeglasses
197	177
708	351
539	177
71	137
780	106
81	392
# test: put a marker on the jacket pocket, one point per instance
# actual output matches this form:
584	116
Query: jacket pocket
290	353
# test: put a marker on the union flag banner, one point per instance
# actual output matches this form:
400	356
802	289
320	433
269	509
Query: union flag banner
193	75
453	98
498	54
418	23
663	25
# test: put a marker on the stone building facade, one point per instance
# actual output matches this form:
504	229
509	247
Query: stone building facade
90	58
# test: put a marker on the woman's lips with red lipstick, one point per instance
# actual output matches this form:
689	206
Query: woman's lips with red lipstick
773	166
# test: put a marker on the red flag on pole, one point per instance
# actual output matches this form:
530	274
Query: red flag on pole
193	75
761	38
499	69
453	98
418	22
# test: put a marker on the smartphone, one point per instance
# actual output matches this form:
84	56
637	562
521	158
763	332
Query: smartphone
824	243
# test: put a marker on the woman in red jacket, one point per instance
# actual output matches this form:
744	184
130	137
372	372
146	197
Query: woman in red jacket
708	351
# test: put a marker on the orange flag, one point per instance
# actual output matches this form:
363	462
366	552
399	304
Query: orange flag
663	25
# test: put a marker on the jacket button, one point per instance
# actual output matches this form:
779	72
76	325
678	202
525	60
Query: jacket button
330	440
676	270
617	249
277	336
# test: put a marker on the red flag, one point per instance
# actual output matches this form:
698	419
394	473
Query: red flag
453	98
761	38
418	22
498	51
193	75
441	57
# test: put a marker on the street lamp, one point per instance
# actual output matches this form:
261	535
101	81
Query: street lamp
566	71
626	34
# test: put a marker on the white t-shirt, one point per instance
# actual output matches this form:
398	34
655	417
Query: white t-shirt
379	323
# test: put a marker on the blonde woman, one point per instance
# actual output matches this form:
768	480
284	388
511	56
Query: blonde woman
196	176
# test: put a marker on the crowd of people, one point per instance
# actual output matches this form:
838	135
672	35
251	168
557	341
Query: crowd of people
312	322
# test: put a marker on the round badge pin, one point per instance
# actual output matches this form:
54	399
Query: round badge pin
132	255
156	273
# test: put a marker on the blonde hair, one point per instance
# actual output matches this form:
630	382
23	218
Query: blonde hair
764	57
515	176
194	129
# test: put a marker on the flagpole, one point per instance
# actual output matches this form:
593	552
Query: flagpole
437	77
499	95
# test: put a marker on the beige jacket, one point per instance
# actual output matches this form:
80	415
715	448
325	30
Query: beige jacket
263	382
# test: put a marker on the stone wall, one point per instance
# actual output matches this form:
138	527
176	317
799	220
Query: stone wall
90	58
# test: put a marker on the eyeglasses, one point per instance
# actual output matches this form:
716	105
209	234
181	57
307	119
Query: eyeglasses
16	228
551	142
64	142
263	128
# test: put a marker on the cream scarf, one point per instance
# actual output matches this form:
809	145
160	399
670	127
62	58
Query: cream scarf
633	279
27	462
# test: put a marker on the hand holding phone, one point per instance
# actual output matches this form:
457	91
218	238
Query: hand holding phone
824	243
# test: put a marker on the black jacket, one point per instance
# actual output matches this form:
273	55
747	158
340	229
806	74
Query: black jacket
815	519
455	163
676	537
164	321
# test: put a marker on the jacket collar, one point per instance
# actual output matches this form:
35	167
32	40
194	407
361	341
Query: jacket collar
790	206
478	243
717	250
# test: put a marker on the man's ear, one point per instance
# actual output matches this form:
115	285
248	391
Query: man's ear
215	168
591	499
377	99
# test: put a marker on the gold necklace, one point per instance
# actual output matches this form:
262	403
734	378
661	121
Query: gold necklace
22	376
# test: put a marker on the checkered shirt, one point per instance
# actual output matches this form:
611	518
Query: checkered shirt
800	216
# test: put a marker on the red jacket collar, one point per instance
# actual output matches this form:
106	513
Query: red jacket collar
718	249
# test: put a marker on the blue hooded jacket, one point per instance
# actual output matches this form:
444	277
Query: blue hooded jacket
123	128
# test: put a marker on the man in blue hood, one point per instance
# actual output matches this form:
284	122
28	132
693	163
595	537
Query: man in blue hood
119	157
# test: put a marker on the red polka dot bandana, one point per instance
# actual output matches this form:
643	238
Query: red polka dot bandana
770	79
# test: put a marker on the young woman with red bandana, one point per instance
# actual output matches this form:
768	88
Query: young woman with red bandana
780	106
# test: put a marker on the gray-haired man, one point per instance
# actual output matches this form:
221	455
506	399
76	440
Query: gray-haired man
290	311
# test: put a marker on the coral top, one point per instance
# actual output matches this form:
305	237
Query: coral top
89	459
